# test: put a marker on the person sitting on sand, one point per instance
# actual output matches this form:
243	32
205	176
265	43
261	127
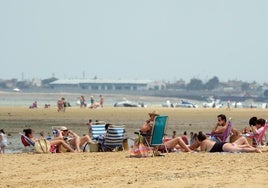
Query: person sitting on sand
34	105
191	137
245	132
252	131
252	122
72	138
172	143
30	134
220	126
240	145
256	130
184	137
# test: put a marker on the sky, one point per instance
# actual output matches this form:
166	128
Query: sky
142	39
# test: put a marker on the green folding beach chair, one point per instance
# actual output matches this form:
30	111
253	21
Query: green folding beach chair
158	132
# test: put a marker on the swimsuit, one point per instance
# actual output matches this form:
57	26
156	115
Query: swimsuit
217	147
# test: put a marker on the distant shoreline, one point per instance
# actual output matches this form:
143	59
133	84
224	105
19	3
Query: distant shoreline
181	93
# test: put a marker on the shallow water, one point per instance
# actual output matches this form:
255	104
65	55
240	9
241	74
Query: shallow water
26	99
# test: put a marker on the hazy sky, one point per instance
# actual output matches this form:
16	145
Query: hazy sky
141	39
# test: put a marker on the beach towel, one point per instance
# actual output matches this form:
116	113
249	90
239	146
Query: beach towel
42	146
140	149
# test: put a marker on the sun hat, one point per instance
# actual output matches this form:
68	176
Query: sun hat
153	113
63	128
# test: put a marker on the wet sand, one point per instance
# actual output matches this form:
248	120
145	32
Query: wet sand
116	168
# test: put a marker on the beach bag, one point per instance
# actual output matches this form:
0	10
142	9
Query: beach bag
42	146
140	149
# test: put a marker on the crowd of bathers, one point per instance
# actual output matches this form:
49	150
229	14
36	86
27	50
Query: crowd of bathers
245	140
212	142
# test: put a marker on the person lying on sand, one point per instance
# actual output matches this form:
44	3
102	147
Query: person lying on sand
240	145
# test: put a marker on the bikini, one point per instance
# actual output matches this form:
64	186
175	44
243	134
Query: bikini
217	147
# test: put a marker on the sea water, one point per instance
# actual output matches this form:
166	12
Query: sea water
27	99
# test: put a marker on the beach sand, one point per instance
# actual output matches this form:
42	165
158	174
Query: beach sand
116	168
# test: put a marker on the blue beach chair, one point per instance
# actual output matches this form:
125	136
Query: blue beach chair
98	131
113	140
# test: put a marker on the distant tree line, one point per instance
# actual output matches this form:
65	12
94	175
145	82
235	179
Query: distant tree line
194	85
212	84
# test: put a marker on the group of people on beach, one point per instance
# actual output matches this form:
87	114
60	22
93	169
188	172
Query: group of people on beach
67	140
62	103
205	143
93	104
64	140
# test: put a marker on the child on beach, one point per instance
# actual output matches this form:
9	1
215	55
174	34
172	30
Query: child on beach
3	141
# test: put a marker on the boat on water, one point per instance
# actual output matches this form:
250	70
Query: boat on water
127	103
168	104
213	103
182	104
16	89
185	104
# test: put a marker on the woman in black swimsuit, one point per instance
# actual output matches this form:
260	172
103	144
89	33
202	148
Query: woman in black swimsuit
217	147
240	145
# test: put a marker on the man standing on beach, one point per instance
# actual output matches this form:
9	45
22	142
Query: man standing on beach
101	101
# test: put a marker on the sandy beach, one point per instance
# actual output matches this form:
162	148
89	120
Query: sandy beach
109	169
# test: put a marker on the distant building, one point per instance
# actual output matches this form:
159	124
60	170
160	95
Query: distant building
37	82
106	85
265	92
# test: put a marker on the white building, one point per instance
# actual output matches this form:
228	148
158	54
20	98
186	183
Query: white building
106	85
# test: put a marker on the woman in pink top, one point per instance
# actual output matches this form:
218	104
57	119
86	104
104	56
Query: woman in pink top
257	129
